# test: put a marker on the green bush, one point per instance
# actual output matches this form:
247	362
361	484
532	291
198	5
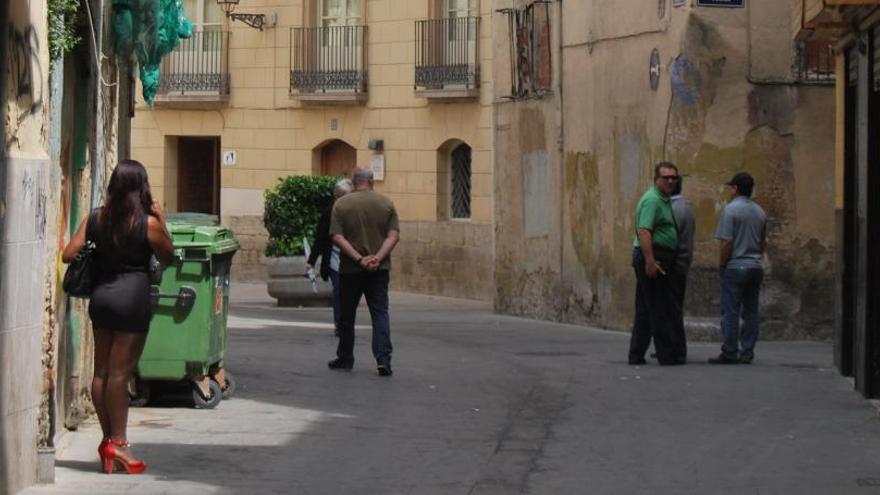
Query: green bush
62	27
293	208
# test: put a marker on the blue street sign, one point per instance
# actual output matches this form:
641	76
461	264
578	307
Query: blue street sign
721	3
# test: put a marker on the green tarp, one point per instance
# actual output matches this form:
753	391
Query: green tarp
147	30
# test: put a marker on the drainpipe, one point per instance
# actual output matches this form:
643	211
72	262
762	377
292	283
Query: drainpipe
96	96
56	103
4	24
560	69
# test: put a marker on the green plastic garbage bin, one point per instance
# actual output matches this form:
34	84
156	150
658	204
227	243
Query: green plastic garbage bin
187	339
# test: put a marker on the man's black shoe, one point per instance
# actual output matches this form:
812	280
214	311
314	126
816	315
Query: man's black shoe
746	359
637	360
384	370
723	359
340	364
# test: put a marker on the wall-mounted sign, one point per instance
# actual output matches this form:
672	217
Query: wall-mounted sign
229	158
721	3
678	3
654	72
377	165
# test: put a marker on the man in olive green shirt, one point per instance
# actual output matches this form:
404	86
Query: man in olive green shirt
658	312
364	225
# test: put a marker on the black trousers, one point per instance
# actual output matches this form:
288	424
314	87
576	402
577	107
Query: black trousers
658	311
373	286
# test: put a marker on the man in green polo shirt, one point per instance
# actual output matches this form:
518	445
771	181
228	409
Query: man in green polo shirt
657	309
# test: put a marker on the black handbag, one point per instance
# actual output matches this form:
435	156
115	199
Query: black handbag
81	275
79	279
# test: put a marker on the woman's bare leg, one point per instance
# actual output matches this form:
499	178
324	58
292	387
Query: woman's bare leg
103	342
124	354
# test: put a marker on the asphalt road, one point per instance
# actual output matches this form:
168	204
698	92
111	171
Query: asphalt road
487	404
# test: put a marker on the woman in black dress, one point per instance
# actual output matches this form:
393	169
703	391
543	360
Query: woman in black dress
127	230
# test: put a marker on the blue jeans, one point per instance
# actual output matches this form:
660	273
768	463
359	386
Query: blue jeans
740	290
374	287
334	281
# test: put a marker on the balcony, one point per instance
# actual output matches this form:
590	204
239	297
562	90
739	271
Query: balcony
447	58
328	64
196	73
823	19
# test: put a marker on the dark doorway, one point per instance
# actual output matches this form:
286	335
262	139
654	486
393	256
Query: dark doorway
338	159
848	252
198	175
866	205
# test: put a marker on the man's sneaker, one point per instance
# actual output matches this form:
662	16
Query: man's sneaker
340	364
723	359
746	358
384	370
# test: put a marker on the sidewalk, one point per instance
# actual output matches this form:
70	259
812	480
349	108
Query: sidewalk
489	404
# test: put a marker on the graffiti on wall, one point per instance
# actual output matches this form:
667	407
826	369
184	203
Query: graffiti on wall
25	69
33	191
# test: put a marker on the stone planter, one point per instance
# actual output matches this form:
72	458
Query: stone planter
288	284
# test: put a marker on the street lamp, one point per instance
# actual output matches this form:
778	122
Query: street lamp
256	21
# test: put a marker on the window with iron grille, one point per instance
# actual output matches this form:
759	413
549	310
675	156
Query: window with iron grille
815	62
460	176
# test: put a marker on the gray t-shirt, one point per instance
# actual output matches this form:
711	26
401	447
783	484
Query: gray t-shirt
744	223
684	222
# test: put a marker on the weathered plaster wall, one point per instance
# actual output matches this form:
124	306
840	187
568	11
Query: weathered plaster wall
528	179
24	167
726	102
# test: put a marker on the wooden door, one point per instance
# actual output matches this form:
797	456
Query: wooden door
338	159
198	175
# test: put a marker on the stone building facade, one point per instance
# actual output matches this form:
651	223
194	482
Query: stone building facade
716	90
404	85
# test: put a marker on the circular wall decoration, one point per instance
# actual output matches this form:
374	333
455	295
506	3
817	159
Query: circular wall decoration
655	69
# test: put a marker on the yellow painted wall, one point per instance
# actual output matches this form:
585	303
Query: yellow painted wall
275	136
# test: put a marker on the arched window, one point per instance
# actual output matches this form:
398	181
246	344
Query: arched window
453	180
460	186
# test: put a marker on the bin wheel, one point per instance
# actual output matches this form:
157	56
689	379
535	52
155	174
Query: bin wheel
139	392
211	402
230	385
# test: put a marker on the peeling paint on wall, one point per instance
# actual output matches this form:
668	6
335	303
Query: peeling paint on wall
584	199
630	167
687	84
536	194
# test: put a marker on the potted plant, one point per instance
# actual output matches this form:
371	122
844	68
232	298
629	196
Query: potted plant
293	208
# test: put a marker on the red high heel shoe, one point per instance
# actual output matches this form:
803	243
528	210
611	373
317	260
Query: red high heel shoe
102	447
112	459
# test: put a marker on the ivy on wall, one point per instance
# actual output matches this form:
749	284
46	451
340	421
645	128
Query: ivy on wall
62	27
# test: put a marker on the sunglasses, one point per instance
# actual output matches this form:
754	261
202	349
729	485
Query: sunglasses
670	178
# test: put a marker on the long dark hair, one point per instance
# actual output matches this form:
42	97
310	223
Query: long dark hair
128	199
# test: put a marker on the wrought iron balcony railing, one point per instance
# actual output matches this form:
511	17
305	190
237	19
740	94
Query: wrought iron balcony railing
447	57
815	62
328	63
197	70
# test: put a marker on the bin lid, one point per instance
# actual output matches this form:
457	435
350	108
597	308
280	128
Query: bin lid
193	218
215	239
